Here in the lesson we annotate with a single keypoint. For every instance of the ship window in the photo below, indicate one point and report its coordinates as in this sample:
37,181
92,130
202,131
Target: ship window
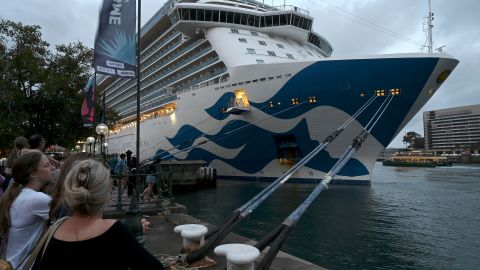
201,14
215,15
193,14
237,18
290,56
184,14
208,15
280,46
271,53
262,21
270,78
263,79
283,19
279,76
259,61
230,16
251,20
276,20
242,40
311,54
240,83
223,16
234,30
268,21
250,51
248,82
261,42
256,21
244,19
254,33
256,80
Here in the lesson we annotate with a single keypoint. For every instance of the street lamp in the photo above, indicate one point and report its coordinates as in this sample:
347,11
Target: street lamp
101,130
77,147
90,141
105,147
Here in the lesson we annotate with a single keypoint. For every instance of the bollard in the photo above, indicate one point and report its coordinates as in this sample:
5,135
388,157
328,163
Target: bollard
193,236
239,256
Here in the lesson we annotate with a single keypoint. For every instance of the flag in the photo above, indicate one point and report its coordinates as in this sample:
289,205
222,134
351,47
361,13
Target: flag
88,107
114,49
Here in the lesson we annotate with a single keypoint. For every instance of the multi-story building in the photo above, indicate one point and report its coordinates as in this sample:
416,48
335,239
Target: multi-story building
452,130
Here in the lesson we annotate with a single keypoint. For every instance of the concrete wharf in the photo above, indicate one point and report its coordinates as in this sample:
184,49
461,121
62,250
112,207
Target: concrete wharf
164,215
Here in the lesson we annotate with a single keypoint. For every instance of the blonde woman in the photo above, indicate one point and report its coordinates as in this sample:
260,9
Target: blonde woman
23,208
87,240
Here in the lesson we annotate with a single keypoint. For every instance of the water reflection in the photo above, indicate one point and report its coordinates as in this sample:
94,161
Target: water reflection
410,218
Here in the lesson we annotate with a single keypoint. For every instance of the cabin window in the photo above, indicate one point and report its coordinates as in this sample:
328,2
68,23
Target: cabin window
235,31
280,46
259,61
271,53
254,33
290,56
261,42
268,21
242,40
250,51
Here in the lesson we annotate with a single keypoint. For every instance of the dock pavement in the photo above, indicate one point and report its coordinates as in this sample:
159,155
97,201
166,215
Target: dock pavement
161,240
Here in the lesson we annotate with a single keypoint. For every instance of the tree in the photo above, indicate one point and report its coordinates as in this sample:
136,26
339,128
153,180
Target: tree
410,137
39,89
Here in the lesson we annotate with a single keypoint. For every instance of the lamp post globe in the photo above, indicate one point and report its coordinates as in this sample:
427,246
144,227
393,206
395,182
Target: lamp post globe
90,141
101,129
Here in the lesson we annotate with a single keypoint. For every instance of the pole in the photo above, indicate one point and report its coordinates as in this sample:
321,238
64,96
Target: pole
430,26
139,10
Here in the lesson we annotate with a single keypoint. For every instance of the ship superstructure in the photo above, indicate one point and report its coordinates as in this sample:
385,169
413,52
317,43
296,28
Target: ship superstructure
251,89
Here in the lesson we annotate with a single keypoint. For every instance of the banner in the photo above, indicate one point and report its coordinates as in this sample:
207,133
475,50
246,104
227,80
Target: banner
115,53
88,107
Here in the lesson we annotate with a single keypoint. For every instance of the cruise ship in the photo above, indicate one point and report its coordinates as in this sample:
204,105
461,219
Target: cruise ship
251,89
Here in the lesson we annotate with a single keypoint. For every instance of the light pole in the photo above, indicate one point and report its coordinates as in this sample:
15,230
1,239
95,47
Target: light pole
105,148
90,141
101,130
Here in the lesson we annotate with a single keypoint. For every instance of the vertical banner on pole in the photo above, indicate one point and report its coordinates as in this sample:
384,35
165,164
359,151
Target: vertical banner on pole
88,107
115,41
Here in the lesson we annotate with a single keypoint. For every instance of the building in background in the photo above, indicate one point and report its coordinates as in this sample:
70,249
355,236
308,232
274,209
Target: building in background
453,130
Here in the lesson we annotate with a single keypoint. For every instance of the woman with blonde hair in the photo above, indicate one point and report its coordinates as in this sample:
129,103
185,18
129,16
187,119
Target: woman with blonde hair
108,242
23,208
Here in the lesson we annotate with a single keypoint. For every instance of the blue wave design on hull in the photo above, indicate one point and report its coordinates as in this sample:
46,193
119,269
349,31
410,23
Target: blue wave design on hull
335,83
260,144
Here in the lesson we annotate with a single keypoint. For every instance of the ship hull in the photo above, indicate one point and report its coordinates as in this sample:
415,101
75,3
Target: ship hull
283,123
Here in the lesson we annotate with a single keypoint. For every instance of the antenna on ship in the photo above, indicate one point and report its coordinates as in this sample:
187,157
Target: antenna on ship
430,27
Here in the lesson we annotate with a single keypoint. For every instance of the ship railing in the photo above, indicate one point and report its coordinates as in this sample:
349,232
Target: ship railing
169,69
174,56
158,46
124,94
155,18
177,90
292,8
137,183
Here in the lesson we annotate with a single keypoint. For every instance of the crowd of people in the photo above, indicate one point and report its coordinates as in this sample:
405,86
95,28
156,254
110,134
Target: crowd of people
39,190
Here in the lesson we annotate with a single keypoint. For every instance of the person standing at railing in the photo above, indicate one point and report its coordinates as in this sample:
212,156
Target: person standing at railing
86,240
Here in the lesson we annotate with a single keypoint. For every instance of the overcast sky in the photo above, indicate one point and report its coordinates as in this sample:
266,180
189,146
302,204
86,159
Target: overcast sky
353,27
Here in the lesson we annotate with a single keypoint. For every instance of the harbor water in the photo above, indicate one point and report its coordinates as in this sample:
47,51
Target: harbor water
409,218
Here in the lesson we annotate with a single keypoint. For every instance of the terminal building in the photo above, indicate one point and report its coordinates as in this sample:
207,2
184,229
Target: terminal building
453,130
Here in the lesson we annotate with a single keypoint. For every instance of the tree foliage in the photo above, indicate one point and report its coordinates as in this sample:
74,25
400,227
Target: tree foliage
40,89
